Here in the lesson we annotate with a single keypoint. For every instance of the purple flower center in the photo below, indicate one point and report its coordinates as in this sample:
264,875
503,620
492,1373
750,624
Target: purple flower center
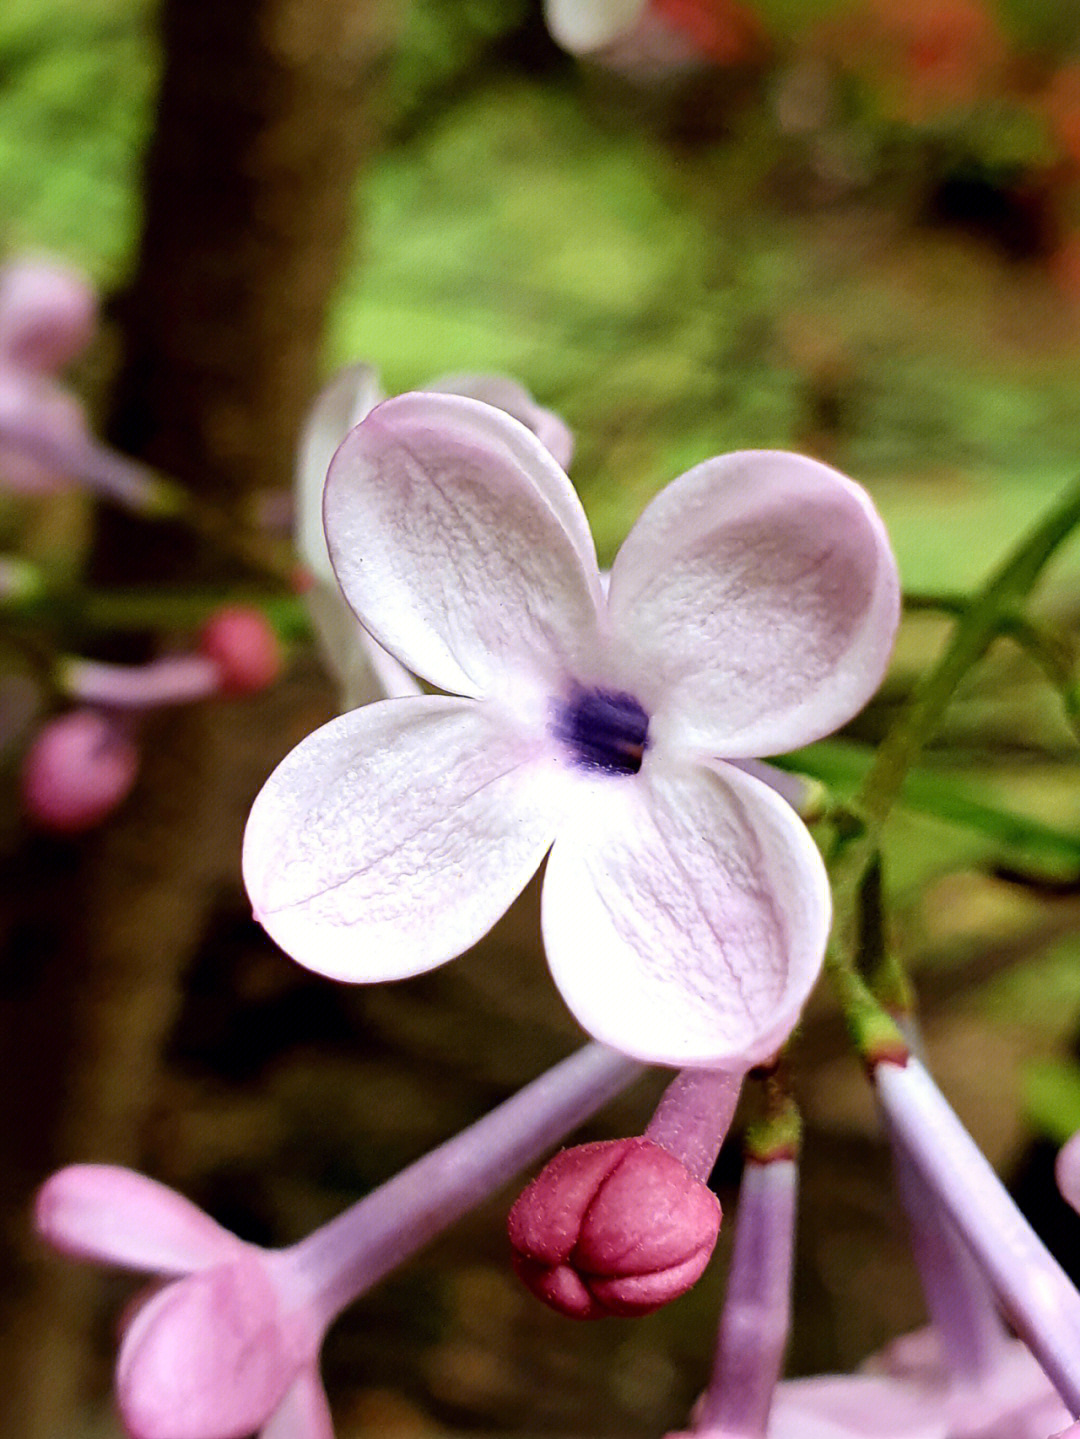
603,729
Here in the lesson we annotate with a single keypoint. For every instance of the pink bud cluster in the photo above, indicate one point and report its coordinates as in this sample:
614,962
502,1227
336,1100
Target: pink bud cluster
83,764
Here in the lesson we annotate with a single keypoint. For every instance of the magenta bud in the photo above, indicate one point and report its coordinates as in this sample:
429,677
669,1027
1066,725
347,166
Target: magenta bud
242,643
621,1227
80,766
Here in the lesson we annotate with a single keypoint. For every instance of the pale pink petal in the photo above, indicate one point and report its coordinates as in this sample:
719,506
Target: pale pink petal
394,837
340,404
462,546
1067,1170
756,600
858,1407
506,394
304,1412
210,1357
685,915
583,25
98,1211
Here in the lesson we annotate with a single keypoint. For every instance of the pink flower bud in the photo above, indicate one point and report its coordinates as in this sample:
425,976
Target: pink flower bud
240,640
48,315
620,1227
79,768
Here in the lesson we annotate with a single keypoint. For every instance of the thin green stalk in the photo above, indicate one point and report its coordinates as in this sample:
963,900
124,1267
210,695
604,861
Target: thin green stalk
857,830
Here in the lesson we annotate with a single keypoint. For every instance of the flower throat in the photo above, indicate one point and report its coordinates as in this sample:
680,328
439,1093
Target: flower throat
603,729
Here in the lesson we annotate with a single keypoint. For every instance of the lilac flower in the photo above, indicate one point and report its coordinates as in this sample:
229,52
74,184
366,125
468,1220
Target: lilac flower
231,1345
363,669
685,907
48,315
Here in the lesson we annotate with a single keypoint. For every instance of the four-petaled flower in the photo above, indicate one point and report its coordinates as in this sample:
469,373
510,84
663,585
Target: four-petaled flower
230,1346
685,907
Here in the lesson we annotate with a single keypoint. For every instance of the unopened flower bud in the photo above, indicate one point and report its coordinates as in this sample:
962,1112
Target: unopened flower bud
241,641
619,1227
78,769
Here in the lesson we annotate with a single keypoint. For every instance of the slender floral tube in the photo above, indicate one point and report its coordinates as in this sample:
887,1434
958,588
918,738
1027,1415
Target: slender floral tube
172,680
757,1306
339,1262
92,465
959,1298
1034,1291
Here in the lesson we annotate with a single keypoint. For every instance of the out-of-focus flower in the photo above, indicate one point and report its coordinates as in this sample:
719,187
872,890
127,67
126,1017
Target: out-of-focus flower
659,34
906,1392
231,1345
751,610
83,764
48,315
924,57
78,768
240,641
363,669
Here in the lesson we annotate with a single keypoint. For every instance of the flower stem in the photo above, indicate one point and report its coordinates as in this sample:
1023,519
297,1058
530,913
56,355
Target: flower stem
344,1258
1035,1293
694,1116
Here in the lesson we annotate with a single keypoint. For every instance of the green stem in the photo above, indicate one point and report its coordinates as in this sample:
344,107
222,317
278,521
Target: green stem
858,829
1050,650
975,630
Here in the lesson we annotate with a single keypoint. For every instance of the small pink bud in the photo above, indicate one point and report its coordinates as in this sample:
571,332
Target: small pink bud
621,1227
240,640
78,769
48,315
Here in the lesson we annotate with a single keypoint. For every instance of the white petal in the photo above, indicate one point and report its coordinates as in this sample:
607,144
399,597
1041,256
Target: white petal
363,669
116,1216
461,545
342,403
394,837
583,25
506,394
858,1407
685,915
756,600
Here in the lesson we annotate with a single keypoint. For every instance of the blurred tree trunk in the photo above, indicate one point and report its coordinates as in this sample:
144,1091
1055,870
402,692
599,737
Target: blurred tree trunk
261,126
